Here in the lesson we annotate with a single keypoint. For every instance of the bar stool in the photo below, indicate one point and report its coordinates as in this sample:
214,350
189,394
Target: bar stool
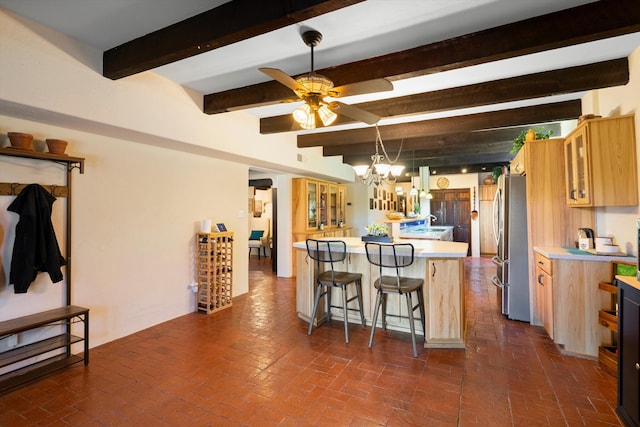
329,252
395,256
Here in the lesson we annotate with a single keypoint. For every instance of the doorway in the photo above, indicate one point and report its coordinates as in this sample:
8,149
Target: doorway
452,207
266,205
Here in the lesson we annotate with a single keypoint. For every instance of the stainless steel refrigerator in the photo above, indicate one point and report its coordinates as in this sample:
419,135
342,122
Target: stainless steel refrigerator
510,232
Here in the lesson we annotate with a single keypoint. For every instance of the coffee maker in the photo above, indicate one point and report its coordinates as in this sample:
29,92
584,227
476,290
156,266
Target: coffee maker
585,238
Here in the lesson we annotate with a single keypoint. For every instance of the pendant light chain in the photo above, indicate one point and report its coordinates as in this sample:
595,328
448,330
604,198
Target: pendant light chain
379,140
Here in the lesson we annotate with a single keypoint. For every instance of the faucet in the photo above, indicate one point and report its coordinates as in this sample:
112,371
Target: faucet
432,219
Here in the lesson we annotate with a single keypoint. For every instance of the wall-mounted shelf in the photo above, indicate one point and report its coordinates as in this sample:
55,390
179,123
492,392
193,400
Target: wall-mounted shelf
73,162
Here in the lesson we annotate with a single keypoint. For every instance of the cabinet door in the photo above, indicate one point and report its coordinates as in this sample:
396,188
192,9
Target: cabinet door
578,168
333,205
544,297
342,196
323,203
312,204
540,303
629,356
444,299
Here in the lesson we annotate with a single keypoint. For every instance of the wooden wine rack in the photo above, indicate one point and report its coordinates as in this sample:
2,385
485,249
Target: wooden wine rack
214,259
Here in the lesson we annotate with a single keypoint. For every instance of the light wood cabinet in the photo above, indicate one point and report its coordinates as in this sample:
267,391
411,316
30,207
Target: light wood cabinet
317,202
546,200
518,164
445,323
569,300
487,239
544,293
600,163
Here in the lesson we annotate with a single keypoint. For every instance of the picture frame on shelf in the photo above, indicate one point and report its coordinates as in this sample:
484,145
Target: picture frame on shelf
221,227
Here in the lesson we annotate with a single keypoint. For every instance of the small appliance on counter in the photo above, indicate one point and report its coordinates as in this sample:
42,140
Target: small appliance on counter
585,238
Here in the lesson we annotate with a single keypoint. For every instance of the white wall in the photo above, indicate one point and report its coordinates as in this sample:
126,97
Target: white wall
619,222
155,166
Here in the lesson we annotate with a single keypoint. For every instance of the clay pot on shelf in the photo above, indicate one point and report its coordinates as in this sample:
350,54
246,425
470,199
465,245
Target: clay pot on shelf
56,146
21,141
489,180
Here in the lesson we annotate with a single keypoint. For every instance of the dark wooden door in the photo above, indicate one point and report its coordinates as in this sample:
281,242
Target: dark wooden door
453,208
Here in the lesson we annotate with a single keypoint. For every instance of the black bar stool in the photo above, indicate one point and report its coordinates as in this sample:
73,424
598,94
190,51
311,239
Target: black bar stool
395,256
331,252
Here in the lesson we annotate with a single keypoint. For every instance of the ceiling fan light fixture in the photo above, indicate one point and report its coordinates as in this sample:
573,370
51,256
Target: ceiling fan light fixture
310,123
315,83
302,113
326,115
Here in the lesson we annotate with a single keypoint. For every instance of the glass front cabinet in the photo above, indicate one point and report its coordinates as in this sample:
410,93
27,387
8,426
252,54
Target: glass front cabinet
318,205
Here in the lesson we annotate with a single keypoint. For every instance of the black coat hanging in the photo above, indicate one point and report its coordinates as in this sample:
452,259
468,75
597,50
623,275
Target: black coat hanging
36,246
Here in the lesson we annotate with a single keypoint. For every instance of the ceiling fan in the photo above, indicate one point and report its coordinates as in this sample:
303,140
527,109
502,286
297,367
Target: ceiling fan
312,88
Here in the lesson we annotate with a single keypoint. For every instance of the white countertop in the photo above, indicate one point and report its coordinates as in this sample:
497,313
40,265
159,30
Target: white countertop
423,248
578,255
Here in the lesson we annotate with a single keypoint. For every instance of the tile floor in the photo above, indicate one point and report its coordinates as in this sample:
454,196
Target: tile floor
254,365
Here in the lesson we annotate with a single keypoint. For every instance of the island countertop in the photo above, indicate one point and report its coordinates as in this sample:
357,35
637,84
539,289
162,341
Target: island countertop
423,248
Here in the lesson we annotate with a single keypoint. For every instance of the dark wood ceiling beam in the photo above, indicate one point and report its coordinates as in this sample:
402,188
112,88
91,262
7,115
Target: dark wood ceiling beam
421,156
495,119
229,23
581,24
568,80
483,138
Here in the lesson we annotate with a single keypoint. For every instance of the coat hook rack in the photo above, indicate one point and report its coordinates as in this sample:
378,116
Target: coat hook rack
15,188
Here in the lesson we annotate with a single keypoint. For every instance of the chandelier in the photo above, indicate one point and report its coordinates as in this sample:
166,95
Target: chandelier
380,172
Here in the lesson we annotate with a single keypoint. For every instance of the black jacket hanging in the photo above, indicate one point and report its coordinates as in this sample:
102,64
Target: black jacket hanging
36,247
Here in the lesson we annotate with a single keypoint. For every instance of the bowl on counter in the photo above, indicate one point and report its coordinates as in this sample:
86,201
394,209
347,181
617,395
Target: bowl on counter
395,215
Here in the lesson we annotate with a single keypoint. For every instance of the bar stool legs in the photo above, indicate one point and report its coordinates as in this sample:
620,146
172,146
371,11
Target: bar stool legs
323,290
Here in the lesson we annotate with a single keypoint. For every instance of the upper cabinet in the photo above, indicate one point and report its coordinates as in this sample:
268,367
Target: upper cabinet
600,163
317,204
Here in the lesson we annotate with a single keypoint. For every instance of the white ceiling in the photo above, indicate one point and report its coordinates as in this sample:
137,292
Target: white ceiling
367,29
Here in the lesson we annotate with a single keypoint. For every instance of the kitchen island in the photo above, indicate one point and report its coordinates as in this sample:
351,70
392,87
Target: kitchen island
440,264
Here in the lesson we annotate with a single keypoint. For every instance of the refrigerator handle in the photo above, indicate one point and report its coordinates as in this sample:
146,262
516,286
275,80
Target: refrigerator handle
497,261
496,212
496,281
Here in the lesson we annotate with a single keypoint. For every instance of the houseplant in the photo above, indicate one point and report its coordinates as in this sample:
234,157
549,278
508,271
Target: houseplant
377,232
519,141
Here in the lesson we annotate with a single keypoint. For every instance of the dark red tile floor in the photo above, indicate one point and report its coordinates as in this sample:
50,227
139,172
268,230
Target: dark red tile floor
253,364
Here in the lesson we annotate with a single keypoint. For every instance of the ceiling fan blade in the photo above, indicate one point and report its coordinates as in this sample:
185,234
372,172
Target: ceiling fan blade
369,86
282,77
353,112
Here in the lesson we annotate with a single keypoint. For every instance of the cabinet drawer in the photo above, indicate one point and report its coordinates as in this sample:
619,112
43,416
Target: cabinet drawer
608,319
544,263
